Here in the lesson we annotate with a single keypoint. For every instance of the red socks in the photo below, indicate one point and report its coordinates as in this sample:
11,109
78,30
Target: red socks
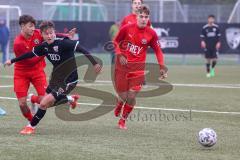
119,104
127,109
28,116
35,99
118,108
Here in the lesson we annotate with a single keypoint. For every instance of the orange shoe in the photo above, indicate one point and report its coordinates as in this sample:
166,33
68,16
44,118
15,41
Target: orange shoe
27,130
121,124
73,104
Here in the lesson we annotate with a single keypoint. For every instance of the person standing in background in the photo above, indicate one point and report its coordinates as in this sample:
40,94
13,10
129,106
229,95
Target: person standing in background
4,38
112,33
132,17
211,44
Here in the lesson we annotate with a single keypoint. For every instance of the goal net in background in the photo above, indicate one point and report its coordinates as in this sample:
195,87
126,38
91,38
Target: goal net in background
66,11
111,10
235,15
11,14
169,11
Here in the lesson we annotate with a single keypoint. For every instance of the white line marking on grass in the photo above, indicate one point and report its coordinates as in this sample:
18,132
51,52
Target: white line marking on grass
153,108
6,76
228,86
8,86
8,98
109,83
187,110
223,86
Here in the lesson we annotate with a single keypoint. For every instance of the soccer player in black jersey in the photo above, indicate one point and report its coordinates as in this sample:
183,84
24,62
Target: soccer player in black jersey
58,52
211,44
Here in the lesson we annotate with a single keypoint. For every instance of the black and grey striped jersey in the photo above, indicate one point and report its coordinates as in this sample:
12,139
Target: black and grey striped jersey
211,35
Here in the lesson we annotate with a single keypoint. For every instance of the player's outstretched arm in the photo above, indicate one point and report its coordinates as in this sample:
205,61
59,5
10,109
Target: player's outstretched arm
20,58
97,67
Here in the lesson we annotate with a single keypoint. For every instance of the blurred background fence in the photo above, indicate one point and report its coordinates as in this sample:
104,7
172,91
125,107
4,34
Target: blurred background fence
112,10
178,23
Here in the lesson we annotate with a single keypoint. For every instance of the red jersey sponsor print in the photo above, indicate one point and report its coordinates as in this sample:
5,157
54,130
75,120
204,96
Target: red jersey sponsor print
22,45
130,19
132,42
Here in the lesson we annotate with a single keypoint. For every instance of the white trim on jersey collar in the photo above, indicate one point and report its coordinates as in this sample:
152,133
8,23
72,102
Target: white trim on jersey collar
34,52
76,46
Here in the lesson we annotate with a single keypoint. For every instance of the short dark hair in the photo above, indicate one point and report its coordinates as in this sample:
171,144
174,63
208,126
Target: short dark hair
45,25
211,16
144,9
24,19
141,1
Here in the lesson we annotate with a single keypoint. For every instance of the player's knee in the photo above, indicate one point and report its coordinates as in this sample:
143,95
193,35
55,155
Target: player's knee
123,97
131,96
43,105
23,104
131,100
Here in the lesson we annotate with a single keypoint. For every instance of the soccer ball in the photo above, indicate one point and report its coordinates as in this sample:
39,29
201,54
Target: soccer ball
207,137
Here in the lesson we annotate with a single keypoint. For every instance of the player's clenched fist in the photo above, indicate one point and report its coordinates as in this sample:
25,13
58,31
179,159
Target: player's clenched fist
122,60
163,72
7,63
97,68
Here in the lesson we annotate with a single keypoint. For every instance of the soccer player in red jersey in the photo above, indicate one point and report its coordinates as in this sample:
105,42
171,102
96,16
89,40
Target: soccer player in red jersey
132,18
60,52
132,43
31,70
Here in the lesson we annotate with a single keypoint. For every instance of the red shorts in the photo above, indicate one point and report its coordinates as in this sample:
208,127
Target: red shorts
22,80
125,81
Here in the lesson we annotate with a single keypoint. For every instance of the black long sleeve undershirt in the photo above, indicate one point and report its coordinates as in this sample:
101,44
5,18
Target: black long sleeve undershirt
78,49
86,53
22,57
